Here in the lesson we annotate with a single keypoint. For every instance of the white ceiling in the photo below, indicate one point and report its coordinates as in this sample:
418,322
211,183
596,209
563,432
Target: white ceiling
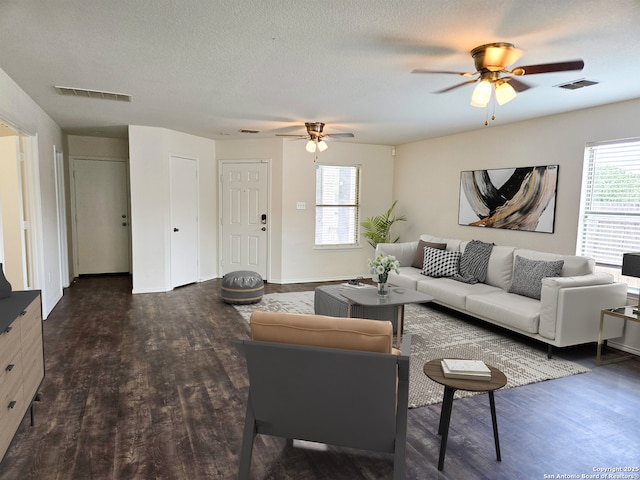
213,67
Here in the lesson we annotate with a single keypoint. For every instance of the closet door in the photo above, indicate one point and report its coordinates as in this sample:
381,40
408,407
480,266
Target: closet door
184,221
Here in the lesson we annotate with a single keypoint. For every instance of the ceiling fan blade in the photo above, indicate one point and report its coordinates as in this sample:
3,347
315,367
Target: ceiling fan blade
552,67
448,89
518,85
422,70
291,135
339,135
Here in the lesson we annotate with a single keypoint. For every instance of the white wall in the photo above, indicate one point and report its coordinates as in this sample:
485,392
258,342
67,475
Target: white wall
96,147
427,174
24,115
301,261
149,152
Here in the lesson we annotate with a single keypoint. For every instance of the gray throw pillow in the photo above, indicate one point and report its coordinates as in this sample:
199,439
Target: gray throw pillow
528,275
474,261
440,263
418,259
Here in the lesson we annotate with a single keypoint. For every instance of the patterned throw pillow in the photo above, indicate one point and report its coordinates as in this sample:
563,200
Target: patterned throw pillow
528,275
474,262
440,263
418,259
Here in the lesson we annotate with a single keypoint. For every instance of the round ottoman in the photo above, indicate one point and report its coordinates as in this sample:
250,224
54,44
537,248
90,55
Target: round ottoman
242,287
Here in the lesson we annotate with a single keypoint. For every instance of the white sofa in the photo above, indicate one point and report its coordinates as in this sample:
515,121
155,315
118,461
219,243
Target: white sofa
568,312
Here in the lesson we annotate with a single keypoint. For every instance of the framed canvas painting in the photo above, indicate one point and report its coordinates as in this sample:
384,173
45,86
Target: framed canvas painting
522,198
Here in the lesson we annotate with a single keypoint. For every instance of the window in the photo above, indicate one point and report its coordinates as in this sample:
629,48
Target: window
337,205
610,205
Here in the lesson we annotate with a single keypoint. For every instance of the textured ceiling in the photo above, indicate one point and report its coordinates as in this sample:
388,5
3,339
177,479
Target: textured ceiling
213,67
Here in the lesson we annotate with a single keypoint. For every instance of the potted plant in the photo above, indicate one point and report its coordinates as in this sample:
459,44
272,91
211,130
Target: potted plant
377,229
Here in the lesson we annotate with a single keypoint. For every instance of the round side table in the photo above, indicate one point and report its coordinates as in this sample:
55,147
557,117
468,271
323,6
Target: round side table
433,370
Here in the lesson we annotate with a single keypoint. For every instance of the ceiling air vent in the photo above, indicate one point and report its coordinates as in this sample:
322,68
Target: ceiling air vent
83,92
577,84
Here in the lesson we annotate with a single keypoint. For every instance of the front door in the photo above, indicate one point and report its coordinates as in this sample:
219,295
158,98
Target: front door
244,209
101,195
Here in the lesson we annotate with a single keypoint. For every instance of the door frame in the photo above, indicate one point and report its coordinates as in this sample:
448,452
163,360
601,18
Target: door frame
61,208
72,189
266,161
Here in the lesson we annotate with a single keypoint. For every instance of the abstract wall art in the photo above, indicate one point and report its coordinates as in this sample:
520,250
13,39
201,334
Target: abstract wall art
522,198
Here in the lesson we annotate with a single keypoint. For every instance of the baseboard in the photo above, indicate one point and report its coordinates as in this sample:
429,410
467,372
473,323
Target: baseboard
319,279
624,348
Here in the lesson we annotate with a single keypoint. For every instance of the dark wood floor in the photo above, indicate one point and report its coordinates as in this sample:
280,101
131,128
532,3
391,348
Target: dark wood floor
150,386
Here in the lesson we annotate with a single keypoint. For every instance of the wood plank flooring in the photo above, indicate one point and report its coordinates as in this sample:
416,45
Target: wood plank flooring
150,386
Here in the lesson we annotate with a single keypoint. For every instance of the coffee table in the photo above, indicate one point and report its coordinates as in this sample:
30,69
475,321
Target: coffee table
397,297
433,370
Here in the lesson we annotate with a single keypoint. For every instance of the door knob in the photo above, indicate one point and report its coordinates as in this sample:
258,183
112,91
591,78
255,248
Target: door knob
176,229
264,229
124,224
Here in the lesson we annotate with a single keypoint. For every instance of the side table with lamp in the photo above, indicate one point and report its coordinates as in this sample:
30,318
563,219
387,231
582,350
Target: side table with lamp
630,268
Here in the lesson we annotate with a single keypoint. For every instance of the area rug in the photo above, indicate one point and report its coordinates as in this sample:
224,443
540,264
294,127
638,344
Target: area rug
438,334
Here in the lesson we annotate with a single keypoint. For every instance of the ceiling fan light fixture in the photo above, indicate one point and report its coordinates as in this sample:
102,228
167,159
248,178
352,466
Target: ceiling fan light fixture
311,146
494,57
322,145
481,94
504,92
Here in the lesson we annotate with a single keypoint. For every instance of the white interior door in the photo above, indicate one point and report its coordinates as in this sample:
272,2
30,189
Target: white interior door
184,221
244,209
101,200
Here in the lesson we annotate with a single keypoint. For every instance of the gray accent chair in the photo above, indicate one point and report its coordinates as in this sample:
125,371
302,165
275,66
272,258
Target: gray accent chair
337,381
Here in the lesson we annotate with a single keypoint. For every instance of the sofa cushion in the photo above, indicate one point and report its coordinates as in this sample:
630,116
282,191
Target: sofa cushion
322,331
528,275
500,267
418,259
440,263
450,292
513,311
474,262
407,277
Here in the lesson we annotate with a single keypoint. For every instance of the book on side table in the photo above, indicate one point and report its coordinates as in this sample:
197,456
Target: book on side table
465,369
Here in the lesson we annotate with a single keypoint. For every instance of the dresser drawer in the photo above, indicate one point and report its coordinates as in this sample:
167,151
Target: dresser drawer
32,367
10,419
10,338
9,355
31,320
11,388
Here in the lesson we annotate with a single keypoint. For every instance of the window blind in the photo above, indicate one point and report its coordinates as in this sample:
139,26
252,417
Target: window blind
337,204
610,206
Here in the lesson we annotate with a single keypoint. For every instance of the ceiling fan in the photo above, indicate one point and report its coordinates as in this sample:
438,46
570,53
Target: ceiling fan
491,62
316,137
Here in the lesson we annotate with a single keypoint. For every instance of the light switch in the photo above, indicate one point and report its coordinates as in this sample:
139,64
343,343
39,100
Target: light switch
301,206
